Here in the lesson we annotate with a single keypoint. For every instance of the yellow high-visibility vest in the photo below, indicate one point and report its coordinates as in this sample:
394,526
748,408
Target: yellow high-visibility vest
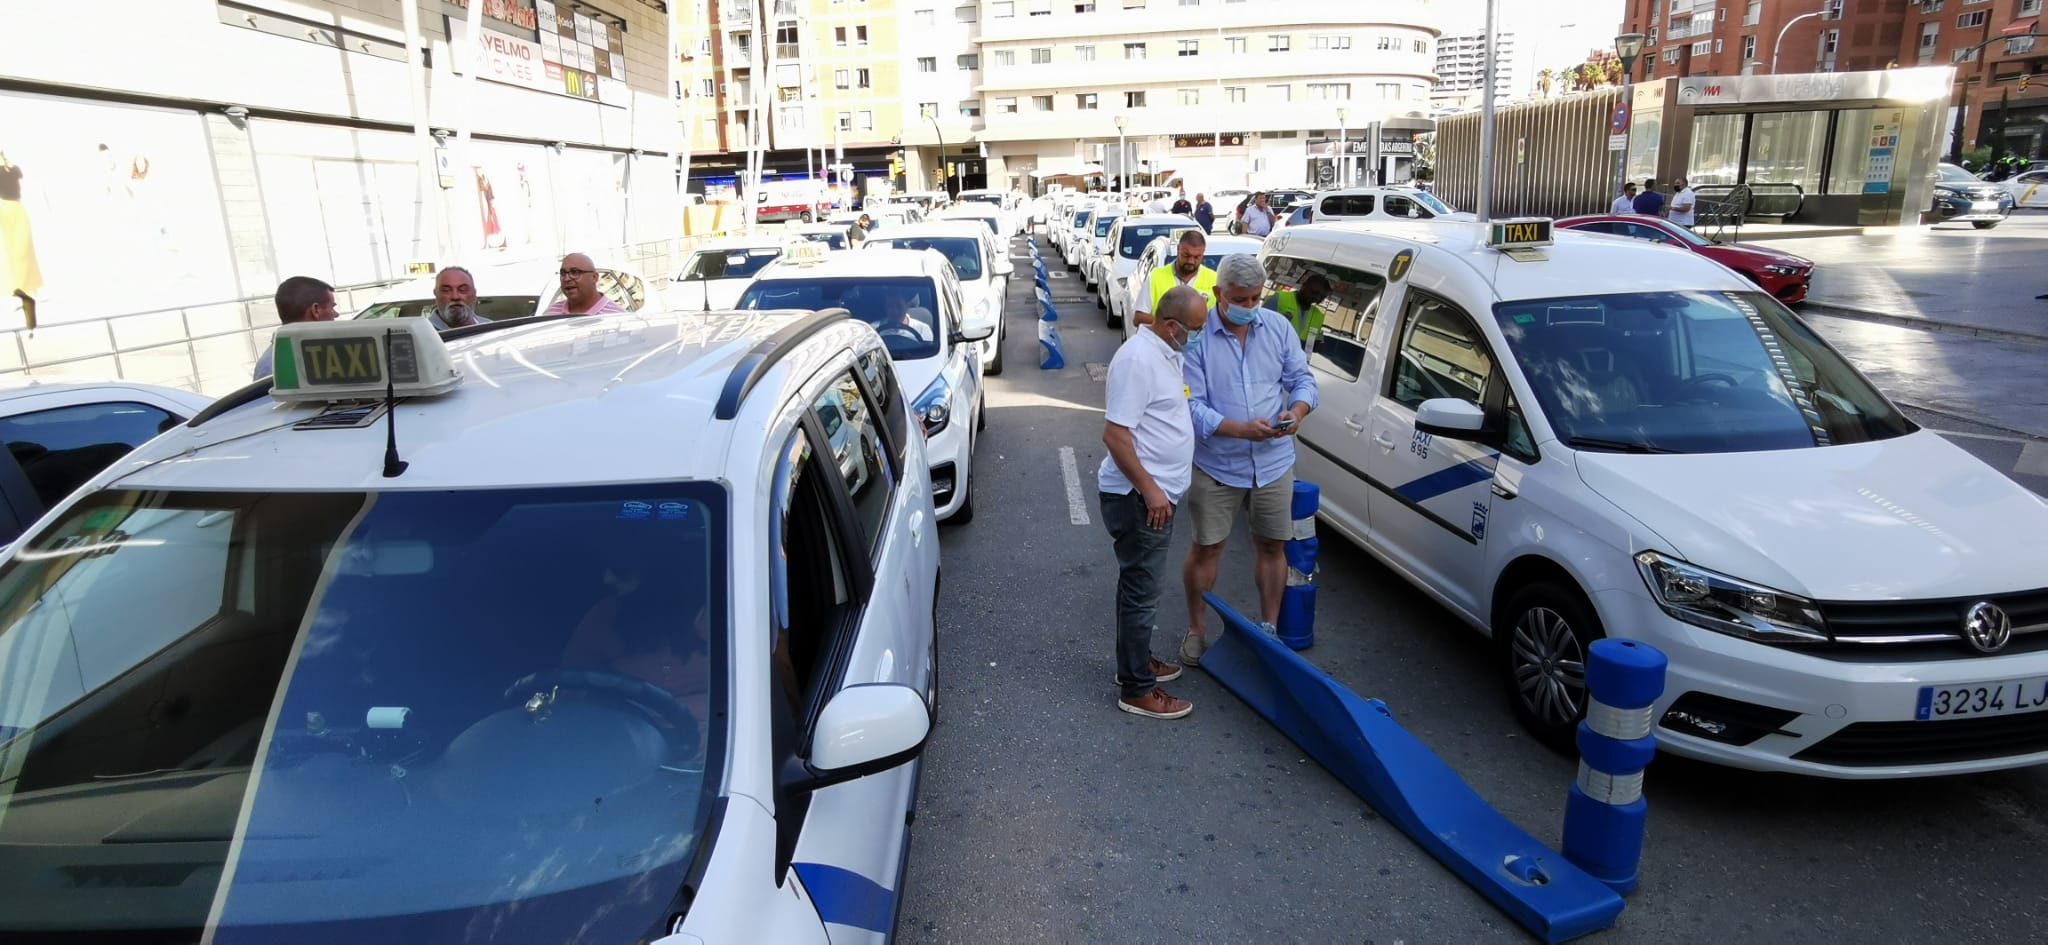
1287,304
1163,279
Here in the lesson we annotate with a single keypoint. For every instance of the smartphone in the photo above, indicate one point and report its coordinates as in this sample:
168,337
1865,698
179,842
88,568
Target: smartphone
1283,423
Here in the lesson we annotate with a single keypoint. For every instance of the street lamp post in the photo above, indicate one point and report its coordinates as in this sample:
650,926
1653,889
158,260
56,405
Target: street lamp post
1781,36
1123,183
1343,160
1627,47
945,180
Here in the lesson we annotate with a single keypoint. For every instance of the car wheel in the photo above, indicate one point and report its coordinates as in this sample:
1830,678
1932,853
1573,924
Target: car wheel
807,216
1546,632
995,364
980,422
965,513
1985,224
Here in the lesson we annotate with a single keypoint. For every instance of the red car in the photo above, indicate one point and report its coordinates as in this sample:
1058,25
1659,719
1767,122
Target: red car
1781,274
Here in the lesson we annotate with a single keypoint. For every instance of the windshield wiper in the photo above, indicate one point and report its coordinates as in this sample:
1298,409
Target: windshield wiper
1617,446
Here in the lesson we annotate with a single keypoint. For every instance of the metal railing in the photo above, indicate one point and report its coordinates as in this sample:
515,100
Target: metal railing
209,347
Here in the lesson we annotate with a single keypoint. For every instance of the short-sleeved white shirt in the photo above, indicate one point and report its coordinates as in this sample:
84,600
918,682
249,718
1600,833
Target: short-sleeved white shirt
1687,217
1146,394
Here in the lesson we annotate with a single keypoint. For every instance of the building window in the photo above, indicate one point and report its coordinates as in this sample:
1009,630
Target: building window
963,14
1006,57
927,109
1234,94
1083,53
1002,10
1329,91
967,62
1652,41
842,79
1280,93
922,17
860,36
1387,42
867,121
1085,6
1830,40
927,63
970,108
1970,20
1134,100
845,121
1006,106
1964,55
1234,45
839,36
1190,47
708,88
1276,42
1085,101
2030,7
1755,13
1748,48
1134,50
1040,55
1041,103
1388,91
1717,45
1702,47
864,79
1191,96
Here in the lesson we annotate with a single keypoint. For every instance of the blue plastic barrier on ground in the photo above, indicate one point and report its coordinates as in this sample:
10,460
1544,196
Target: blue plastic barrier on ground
1297,623
1357,740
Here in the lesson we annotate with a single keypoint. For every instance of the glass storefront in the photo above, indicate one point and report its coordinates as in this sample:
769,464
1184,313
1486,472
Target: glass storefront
1787,148
1716,150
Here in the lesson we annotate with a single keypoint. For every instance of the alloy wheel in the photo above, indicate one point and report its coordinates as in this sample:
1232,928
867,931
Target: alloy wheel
1549,667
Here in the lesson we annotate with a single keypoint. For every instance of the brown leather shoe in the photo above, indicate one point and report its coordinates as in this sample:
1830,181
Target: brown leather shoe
1156,704
1163,671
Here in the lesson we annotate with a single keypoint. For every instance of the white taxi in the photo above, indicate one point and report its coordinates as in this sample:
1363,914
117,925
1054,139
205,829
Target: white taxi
720,268
510,290
913,298
1074,239
1596,436
1095,256
591,622
984,269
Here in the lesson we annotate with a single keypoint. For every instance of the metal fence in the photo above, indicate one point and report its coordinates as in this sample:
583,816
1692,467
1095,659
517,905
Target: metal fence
209,347
1550,157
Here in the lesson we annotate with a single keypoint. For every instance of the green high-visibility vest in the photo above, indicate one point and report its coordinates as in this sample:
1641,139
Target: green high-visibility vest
1304,325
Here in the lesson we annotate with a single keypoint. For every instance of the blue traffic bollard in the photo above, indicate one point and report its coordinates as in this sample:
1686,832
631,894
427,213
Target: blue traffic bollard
1297,623
1605,814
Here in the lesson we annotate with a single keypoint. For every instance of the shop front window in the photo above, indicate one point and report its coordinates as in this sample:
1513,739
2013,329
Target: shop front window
1786,148
1716,150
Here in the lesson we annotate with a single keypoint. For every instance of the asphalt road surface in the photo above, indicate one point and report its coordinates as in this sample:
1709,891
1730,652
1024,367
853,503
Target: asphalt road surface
1046,815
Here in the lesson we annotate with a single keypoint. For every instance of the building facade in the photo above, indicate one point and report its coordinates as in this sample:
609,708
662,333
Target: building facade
1461,70
1990,43
208,148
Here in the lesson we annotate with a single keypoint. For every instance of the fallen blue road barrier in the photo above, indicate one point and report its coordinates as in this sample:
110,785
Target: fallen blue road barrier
1357,740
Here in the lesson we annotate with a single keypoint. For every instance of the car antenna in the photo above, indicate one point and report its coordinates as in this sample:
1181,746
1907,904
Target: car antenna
393,466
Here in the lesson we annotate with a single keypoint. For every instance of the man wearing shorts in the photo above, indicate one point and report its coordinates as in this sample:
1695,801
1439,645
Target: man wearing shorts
1249,387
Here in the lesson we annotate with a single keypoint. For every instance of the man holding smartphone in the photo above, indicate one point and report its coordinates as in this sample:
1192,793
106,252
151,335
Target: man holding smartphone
1248,388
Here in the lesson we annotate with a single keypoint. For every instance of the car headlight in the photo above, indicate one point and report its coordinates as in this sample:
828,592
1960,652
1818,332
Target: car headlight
984,309
935,406
1781,269
1724,604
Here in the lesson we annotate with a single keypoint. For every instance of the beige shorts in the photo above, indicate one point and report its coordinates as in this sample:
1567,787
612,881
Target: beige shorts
1212,505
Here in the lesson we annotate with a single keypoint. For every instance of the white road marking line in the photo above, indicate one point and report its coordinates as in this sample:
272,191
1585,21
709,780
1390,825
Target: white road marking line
1077,511
1999,437
2033,460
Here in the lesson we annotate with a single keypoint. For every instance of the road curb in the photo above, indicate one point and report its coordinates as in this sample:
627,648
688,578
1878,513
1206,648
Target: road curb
1850,313
1974,421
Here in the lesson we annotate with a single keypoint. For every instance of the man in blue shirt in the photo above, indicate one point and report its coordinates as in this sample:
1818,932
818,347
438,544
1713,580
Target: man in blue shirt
1249,387
1650,202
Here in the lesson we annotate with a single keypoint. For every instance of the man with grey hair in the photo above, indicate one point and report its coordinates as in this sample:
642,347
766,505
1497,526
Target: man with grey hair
1151,443
1249,387
454,300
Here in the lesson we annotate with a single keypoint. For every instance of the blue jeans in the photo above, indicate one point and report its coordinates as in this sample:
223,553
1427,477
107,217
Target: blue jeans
1140,564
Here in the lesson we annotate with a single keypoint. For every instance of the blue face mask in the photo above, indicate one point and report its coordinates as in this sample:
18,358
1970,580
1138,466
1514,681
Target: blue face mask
1241,314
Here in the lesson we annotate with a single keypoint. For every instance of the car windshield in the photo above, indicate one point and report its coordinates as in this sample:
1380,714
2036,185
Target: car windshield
1083,218
1952,174
740,263
489,307
963,252
996,199
835,238
903,309
1135,237
1428,200
1282,199
336,716
1690,372
1102,226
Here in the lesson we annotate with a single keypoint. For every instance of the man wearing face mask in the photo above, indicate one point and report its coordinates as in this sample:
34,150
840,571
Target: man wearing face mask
1185,270
1249,387
1151,442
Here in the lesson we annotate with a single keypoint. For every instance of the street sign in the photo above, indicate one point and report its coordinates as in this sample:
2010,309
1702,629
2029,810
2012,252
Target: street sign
1617,142
1618,123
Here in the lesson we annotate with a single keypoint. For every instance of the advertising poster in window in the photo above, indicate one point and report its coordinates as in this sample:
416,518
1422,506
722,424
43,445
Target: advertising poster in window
1883,144
106,210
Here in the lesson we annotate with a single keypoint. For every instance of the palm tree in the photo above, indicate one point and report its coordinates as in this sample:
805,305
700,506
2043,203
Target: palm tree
1543,80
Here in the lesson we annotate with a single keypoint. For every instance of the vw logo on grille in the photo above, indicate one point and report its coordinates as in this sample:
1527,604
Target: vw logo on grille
1986,627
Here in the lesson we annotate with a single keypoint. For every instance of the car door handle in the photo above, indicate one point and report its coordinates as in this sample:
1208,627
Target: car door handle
1385,442
1504,490
1354,425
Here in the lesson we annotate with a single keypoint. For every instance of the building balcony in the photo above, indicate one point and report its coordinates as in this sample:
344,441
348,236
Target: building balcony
1108,21
736,15
1067,123
1201,71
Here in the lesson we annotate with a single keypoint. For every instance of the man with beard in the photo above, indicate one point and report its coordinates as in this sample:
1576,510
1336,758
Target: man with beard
1186,269
454,300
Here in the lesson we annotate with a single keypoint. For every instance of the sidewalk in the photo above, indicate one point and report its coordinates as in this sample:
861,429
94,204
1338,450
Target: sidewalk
1993,382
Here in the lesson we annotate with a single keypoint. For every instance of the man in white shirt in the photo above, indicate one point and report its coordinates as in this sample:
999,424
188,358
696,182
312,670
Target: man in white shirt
1151,441
1682,203
1626,203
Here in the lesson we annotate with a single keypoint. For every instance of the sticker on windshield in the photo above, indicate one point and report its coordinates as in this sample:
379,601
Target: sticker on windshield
636,510
1398,269
672,511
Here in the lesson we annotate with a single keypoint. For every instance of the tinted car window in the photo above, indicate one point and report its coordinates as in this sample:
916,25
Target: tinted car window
1442,354
488,307
729,263
855,442
60,448
1135,237
963,253
903,310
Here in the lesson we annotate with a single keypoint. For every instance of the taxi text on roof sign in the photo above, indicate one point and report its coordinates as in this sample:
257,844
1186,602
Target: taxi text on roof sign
1515,234
360,358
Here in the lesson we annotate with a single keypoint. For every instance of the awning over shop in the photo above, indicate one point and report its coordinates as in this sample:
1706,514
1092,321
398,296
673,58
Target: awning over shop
1074,169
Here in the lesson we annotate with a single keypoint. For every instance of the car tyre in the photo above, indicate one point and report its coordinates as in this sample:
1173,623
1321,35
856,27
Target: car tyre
1546,632
995,364
1985,224
965,513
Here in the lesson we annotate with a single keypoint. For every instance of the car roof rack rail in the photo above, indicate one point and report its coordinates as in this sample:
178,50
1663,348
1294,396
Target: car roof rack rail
771,349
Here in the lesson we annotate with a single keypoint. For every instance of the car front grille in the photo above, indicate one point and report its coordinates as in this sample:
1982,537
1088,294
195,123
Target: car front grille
1880,744
1927,629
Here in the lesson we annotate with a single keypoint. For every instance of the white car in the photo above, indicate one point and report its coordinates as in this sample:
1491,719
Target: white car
1163,250
1080,242
883,216
583,625
1223,244
1070,230
510,290
984,269
1002,200
1380,203
995,219
720,269
1600,437
1225,202
1128,239
913,298
2028,189
59,434
1095,255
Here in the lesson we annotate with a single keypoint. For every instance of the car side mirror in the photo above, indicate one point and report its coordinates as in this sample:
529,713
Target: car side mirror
866,729
1451,418
975,332
1004,266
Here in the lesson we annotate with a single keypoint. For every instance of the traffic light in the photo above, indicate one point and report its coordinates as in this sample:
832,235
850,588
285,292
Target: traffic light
2023,80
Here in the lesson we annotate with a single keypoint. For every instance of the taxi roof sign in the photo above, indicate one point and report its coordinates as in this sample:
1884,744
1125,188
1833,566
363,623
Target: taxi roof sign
360,358
1518,234
806,252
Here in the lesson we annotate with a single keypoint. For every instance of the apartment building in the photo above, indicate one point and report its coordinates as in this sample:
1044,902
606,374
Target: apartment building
1461,70
1223,92
1990,43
